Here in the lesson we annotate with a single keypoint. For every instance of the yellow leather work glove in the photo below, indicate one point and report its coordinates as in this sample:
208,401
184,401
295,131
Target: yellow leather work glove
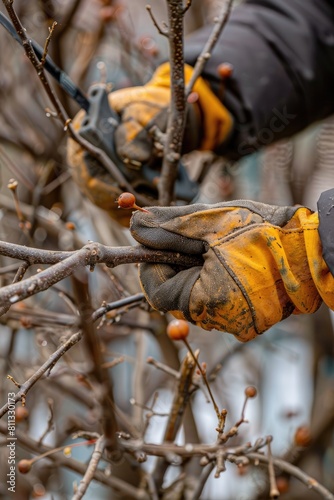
261,264
208,124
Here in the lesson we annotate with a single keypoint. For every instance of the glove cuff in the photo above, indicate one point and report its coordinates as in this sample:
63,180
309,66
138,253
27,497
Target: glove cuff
321,274
216,120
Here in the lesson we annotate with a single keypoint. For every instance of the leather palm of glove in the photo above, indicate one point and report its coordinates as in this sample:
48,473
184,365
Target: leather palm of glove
208,124
261,264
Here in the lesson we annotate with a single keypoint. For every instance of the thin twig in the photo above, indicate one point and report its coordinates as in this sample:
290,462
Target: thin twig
126,489
218,413
163,367
61,113
180,401
47,42
138,376
230,453
114,362
155,22
274,493
47,366
18,277
208,47
50,424
133,299
295,472
187,7
91,469
202,481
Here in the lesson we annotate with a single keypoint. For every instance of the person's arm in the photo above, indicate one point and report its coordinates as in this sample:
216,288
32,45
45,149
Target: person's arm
282,53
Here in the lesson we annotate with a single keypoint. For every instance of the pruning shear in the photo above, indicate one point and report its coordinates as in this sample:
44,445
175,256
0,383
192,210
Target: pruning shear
100,123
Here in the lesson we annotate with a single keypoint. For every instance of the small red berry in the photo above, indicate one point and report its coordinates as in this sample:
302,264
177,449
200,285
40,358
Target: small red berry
26,321
250,391
21,414
126,200
282,484
225,70
24,466
70,226
178,329
302,436
242,469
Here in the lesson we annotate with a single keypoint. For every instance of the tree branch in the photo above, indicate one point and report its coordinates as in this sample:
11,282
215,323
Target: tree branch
208,47
100,372
65,263
155,22
295,472
177,116
126,489
91,469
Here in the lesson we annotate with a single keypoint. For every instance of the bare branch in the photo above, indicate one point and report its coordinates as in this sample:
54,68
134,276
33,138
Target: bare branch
50,424
205,380
60,460
18,277
295,472
47,42
91,469
208,47
68,262
202,481
187,7
274,493
180,401
177,115
155,22
164,368
133,299
47,366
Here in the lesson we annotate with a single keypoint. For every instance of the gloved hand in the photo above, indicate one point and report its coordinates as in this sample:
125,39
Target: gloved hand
261,263
208,124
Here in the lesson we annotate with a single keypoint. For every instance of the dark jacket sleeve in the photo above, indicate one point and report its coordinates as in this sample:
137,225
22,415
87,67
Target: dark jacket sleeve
282,52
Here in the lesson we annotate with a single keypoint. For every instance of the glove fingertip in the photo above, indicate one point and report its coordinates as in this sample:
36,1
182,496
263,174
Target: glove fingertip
168,290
